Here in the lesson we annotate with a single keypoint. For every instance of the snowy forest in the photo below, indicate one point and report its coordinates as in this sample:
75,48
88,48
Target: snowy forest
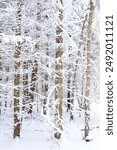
49,74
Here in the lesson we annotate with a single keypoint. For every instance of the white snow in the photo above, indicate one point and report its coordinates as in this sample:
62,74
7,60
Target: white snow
36,135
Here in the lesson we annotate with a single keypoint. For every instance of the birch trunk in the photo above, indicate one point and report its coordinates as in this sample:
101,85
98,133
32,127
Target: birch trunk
58,76
70,95
46,85
25,85
17,72
88,71
34,75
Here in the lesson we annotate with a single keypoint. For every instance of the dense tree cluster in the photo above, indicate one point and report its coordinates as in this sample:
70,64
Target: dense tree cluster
49,61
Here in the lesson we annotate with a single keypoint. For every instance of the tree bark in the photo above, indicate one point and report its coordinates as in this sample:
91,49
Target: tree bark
17,72
58,76
88,71
70,96
25,86
46,85
34,75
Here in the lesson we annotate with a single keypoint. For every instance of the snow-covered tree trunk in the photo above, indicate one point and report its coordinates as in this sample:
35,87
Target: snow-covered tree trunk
46,85
33,84
34,74
79,47
25,85
17,71
70,95
88,70
58,74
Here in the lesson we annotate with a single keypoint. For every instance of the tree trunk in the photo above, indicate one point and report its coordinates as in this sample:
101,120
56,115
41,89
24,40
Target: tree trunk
46,84
58,76
17,72
34,75
76,68
25,86
88,71
83,75
70,97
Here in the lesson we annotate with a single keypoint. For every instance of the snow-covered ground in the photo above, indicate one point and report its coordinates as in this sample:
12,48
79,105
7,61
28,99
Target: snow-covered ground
36,135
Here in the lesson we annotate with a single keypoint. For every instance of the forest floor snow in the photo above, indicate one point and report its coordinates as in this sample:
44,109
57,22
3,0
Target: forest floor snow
38,136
